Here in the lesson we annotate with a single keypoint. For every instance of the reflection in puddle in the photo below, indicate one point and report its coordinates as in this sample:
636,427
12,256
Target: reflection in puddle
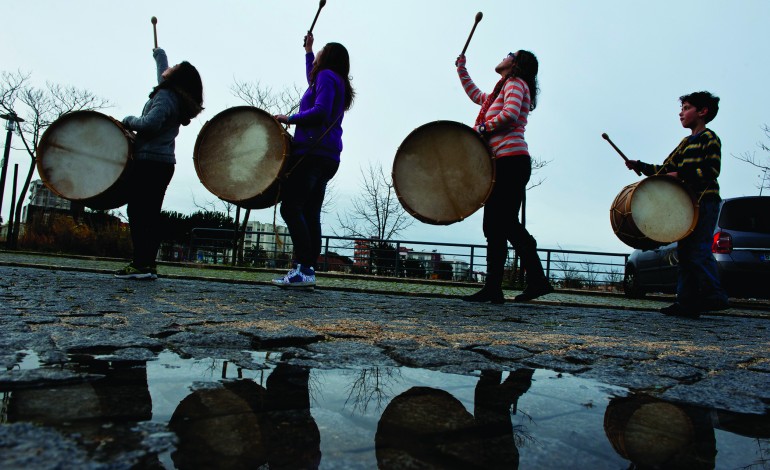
184,413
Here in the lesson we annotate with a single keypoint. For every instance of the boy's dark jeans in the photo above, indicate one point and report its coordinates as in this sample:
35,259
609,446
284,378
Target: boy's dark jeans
149,181
698,275
302,196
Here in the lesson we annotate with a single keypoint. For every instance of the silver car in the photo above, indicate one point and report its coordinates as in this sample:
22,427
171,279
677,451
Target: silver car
741,248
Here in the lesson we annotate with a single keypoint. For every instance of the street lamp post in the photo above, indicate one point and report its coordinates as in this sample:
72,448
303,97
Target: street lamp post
10,126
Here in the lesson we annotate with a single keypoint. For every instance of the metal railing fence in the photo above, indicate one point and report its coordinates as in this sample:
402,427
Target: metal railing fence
404,258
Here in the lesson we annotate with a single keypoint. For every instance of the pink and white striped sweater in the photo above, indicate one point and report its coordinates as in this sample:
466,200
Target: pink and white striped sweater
506,118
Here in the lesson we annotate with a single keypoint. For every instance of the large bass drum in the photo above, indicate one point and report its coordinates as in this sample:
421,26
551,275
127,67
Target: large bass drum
654,212
86,157
240,155
443,172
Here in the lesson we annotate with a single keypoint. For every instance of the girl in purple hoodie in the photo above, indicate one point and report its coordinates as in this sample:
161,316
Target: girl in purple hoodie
315,154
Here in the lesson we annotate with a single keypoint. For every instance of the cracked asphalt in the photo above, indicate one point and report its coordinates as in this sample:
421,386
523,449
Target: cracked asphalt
62,306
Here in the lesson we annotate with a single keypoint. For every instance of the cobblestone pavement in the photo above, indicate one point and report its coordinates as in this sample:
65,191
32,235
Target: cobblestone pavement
720,361
368,284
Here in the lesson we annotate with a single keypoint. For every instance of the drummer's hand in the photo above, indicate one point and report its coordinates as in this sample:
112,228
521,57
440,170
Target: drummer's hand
309,42
673,173
282,118
632,164
460,62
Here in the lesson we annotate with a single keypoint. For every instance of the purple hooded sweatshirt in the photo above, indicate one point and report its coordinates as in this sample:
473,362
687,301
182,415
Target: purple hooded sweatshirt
321,105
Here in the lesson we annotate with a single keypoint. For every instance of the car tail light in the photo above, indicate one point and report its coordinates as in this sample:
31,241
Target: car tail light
723,243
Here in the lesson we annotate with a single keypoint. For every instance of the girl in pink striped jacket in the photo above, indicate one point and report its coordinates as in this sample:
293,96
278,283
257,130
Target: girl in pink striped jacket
501,120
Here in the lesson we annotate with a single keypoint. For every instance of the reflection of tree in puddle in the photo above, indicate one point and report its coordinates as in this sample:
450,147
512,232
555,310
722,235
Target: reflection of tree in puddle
429,428
245,425
82,410
372,385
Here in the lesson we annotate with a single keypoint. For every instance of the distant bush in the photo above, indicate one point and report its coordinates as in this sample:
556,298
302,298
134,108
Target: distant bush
62,233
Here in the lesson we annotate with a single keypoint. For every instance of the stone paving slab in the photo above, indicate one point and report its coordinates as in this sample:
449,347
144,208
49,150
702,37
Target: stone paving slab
715,361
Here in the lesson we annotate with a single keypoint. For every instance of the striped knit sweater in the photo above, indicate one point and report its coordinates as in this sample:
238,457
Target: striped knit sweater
506,118
697,160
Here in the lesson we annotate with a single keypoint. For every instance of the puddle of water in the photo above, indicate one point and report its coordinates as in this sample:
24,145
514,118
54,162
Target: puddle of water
184,413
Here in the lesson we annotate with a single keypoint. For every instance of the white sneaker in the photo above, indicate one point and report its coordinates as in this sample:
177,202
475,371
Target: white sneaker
296,278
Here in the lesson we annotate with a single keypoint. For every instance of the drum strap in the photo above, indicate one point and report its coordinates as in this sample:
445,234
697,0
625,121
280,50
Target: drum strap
286,174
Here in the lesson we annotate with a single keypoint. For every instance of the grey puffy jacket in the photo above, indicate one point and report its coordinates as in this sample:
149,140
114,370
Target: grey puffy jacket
158,126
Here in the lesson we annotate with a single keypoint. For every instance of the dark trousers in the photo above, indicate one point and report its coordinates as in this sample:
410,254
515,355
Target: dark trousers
302,196
501,222
149,181
698,276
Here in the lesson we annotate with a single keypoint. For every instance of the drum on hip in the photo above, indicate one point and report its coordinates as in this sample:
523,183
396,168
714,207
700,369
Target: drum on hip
653,212
443,172
240,155
86,157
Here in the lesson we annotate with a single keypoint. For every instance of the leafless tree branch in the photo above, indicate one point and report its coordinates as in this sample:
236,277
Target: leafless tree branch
751,159
376,213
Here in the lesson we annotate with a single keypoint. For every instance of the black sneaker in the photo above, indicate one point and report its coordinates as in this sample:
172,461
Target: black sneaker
132,272
486,295
677,310
533,291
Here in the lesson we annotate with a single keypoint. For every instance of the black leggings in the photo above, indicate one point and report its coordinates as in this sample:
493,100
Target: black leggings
302,196
501,221
149,181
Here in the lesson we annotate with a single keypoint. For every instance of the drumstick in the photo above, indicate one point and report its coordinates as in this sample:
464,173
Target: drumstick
479,15
309,31
154,30
607,138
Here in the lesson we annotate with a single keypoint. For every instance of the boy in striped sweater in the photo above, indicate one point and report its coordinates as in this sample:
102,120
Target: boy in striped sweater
501,121
697,162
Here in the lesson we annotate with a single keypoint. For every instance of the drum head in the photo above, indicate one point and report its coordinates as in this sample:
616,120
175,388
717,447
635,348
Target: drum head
240,153
82,154
443,172
663,209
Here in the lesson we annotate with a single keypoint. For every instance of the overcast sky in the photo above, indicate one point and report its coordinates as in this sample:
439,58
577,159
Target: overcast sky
605,66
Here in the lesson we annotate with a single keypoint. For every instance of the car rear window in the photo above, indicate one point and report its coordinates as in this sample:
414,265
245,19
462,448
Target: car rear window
746,215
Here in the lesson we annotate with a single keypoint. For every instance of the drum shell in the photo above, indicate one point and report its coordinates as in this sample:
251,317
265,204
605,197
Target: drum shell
443,172
649,432
69,150
630,231
240,156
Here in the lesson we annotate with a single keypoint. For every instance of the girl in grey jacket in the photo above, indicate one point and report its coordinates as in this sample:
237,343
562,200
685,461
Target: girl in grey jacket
176,99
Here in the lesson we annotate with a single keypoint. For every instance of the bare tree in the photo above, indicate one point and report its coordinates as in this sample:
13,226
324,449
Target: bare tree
590,274
372,385
285,101
537,164
39,107
570,274
750,158
376,213
614,277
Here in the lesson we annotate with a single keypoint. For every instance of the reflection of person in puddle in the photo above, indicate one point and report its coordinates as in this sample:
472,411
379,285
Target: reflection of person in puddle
429,428
244,425
653,433
294,439
100,413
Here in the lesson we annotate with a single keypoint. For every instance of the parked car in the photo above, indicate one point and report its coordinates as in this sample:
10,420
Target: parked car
741,248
